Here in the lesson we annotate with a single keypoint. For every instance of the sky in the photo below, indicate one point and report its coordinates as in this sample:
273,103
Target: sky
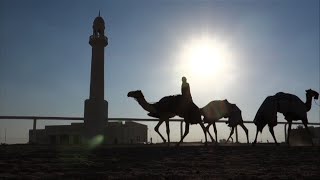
255,49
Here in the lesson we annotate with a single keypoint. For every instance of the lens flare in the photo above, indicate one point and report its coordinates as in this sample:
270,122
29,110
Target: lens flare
95,141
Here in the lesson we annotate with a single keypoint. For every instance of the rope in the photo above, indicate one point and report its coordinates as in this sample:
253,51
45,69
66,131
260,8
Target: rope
316,102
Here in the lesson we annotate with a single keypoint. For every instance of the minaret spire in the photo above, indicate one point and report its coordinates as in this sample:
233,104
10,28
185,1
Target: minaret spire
99,13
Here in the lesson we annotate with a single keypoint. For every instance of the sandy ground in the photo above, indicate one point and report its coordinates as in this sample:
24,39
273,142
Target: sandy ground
159,162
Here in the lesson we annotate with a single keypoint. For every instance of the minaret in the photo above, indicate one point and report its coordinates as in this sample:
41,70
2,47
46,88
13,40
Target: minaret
96,108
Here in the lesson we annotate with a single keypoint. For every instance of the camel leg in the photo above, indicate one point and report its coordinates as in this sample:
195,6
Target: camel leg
205,132
289,130
246,131
157,130
306,126
232,130
215,131
209,124
255,140
207,128
272,133
168,130
185,133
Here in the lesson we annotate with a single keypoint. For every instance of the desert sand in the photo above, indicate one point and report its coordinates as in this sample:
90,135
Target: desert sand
159,162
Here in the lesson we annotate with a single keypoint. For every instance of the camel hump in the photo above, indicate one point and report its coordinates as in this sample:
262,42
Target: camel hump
170,100
281,96
168,103
216,109
289,103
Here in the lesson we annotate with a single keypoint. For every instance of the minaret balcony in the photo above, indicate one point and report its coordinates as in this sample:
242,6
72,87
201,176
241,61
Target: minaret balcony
98,39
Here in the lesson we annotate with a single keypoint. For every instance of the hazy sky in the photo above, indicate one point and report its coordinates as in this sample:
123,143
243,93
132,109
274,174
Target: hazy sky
264,47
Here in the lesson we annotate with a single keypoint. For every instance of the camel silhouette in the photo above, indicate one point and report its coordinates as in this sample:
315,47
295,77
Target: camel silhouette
217,109
289,105
168,107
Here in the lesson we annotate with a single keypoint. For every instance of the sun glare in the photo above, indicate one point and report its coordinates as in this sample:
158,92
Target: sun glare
205,57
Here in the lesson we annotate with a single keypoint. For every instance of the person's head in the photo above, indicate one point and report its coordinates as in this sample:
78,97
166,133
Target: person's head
184,79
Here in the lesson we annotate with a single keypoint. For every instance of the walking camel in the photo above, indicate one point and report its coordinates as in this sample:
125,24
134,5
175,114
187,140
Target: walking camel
289,105
168,107
217,109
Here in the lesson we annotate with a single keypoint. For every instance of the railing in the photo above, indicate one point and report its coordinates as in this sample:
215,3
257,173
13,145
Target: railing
35,118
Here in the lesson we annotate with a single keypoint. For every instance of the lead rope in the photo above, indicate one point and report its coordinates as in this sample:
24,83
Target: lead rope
316,104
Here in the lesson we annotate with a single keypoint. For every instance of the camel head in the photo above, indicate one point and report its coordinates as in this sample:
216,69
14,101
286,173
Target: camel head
135,94
312,93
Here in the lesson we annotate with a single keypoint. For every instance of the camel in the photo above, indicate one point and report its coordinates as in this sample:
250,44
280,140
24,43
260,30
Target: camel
168,107
217,109
289,105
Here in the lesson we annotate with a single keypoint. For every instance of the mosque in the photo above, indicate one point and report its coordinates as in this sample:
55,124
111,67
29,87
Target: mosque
95,109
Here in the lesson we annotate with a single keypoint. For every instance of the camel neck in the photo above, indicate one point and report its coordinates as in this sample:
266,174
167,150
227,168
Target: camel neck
308,102
145,105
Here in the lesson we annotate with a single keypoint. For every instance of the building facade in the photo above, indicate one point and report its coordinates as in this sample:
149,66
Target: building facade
113,133
300,136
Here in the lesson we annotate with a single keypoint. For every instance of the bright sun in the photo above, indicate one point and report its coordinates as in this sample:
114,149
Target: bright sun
205,57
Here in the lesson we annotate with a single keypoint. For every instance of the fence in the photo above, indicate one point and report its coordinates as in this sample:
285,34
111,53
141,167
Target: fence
36,118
